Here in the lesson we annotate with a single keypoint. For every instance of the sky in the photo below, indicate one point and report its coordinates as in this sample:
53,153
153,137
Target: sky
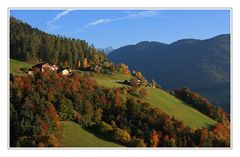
116,28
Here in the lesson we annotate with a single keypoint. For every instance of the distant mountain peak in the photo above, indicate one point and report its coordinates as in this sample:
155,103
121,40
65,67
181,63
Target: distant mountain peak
106,50
186,42
146,43
221,36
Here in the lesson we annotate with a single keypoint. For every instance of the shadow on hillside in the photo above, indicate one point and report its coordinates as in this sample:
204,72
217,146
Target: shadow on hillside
102,137
122,83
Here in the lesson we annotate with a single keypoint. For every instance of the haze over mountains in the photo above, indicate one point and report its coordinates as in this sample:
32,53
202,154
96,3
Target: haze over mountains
202,65
106,50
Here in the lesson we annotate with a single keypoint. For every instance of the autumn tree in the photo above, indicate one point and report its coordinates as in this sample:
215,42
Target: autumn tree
121,135
134,82
78,64
65,108
137,142
123,69
140,77
154,139
85,63
142,92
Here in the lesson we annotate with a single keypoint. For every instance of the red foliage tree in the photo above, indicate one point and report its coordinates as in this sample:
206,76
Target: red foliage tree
154,138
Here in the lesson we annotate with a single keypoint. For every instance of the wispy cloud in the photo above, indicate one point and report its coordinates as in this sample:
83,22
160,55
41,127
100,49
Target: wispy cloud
141,14
52,22
99,21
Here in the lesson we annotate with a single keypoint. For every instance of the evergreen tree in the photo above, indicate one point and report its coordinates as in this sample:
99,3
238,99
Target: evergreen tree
30,44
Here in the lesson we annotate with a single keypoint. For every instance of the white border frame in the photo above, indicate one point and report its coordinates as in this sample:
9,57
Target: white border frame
234,4
116,8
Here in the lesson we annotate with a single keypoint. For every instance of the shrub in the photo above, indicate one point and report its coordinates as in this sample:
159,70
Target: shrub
137,142
25,70
121,135
65,108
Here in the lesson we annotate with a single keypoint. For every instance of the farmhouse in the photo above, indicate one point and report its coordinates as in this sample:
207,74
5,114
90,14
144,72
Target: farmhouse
66,71
30,72
139,82
45,67
151,85
54,67
42,66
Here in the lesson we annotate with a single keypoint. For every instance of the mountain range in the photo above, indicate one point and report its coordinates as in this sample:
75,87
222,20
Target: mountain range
202,65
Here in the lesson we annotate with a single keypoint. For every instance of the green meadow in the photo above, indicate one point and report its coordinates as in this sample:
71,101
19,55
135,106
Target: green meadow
73,135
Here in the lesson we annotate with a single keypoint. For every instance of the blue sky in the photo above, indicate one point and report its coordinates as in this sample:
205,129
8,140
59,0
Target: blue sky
117,28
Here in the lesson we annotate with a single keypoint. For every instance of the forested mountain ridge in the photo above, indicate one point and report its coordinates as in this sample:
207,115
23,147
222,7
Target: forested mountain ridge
121,106
202,65
31,44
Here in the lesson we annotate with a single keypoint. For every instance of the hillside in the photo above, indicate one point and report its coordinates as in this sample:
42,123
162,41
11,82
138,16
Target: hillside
202,65
40,103
86,101
156,97
74,135
160,99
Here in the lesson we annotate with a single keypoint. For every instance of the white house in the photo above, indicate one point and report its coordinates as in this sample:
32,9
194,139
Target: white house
30,72
54,68
65,72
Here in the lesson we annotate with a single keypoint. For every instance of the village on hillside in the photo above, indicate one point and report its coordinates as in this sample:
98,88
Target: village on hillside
137,79
42,67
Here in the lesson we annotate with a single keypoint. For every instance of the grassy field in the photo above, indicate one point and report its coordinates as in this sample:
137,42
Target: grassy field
160,99
175,107
15,66
111,81
74,135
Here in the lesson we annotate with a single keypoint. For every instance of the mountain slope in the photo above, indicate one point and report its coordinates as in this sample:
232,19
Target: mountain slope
202,65
158,98
112,112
